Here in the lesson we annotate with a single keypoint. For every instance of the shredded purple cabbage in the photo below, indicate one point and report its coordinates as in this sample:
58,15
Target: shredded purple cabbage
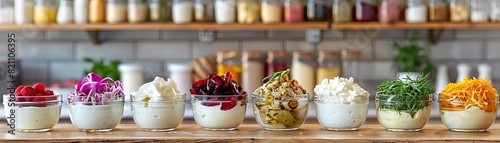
96,90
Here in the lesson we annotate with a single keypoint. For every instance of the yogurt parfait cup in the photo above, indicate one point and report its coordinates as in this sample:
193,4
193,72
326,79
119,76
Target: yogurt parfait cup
96,116
28,115
471,119
403,116
219,112
288,113
338,116
158,116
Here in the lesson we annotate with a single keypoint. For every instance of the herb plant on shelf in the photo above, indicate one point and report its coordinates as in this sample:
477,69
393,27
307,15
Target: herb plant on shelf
104,70
411,60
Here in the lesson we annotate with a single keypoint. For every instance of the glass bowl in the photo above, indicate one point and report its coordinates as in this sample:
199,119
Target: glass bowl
101,116
25,115
401,116
340,116
157,116
460,117
219,112
289,113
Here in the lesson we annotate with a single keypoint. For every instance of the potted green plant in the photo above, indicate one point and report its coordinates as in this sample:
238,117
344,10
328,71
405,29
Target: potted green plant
411,60
104,70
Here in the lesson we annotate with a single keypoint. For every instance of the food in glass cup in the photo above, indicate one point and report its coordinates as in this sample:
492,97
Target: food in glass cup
469,106
218,102
341,104
158,105
32,108
404,105
281,103
96,104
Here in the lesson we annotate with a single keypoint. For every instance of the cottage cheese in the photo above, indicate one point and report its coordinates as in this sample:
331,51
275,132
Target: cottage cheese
340,90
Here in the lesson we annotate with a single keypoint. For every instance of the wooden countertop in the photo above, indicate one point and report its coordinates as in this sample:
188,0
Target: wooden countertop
254,133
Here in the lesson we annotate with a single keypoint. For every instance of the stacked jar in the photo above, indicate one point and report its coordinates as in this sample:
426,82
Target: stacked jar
45,12
316,10
182,11
366,10
137,11
389,11
416,11
248,11
459,11
204,11
97,11
342,11
225,11
160,10
479,11
65,12
438,10
495,10
271,11
81,11
6,12
294,11
23,11
116,11
303,70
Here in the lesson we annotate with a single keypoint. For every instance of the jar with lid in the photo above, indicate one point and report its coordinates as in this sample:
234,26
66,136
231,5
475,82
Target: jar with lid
181,74
227,61
81,11
316,10
23,11
479,11
416,12
182,11
45,12
350,62
204,11
294,11
366,10
160,10
6,11
438,10
342,11
329,65
97,11
495,10
131,77
116,11
459,10
253,70
225,11
65,12
137,11
303,70
389,11
271,11
276,61
248,11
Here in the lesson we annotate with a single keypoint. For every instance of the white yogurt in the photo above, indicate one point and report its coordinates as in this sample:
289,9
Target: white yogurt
35,118
338,116
158,116
98,117
401,121
212,118
470,119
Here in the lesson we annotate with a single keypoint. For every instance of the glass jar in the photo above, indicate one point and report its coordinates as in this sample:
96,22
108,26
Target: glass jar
227,61
81,11
438,10
276,61
402,10
100,116
316,10
366,10
97,11
329,65
137,11
342,11
116,11
253,70
389,11
182,11
7,12
495,10
248,11
350,62
416,12
271,117
210,114
271,11
470,118
225,11
45,12
131,77
158,11
181,73
31,116
340,116
459,11
399,116
158,115
204,11
303,70
23,11
65,12
480,11
294,11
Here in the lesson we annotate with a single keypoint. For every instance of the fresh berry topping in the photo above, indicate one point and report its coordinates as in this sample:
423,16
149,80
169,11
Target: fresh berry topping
18,90
39,94
218,85
211,102
40,99
49,92
228,105
39,88
28,91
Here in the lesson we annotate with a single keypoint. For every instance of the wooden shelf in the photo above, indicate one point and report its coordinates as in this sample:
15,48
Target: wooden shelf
254,133
409,26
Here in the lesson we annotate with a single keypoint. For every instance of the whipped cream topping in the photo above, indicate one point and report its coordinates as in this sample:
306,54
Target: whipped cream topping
158,90
340,90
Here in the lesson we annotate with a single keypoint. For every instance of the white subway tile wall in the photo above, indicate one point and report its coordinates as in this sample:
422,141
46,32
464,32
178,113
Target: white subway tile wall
53,56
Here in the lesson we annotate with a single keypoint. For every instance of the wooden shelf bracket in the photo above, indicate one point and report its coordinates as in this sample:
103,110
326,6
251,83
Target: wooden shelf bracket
94,37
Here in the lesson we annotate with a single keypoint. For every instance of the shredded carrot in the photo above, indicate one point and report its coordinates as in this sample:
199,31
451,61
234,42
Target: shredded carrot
469,93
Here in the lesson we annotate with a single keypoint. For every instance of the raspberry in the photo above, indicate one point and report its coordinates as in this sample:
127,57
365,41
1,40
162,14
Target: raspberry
49,92
229,105
18,90
40,99
39,88
28,91
40,94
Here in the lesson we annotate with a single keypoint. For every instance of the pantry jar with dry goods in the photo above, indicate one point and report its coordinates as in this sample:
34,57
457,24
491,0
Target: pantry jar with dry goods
480,11
271,11
389,11
160,10
304,70
6,11
204,10
439,10
495,10
350,62
253,70
459,10
294,11
45,12
248,11
329,65
316,10
97,11
342,11
116,11
65,12
366,10
276,61
416,12
137,11
227,61
182,11
225,11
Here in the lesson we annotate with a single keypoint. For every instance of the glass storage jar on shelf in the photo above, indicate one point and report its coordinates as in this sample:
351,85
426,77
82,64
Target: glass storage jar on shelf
366,10
459,10
6,11
342,11
276,61
479,11
137,11
160,10
23,11
389,11
116,11
182,11
227,61
416,12
316,10
253,70
329,65
294,11
439,10
97,11
225,11
65,12
303,70
45,12
495,10
350,63
248,11
204,11
81,11
271,11
402,10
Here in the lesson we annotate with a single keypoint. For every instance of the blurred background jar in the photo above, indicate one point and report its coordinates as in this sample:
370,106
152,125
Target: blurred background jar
97,11
303,70
479,11
65,12
227,61
160,10
45,12
7,12
248,11
294,11
316,10
182,11
253,70
389,11
495,10
116,11
81,11
204,11
225,11
342,11
137,11
276,61
23,11
416,12
329,65
439,10
366,10
459,10
271,11
350,62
